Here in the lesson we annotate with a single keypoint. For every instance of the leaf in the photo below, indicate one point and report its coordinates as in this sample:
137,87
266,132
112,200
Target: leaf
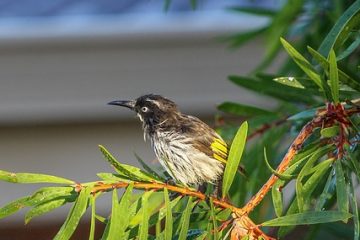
254,10
341,188
73,218
273,89
32,178
169,218
302,63
115,219
308,218
133,173
112,177
213,219
334,77
93,217
238,39
327,193
341,28
123,209
148,169
355,210
330,132
14,206
343,77
279,175
353,46
300,192
310,113
43,208
242,110
185,220
48,193
289,81
235,153
143,232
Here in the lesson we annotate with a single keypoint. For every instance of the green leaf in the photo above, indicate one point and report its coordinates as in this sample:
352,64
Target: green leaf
112,177
235,153
355,210
148,169
254,10
310,113
115,218
185,219
131,172
302,63
301,194
330,132
14,206
169,218
73,218
123,209
43,208
143,232
289,81
308,218
279,175
327,193
343,77
341,188
32,178
238,39
334,77
353,46
273,89
242,110
213,218
93,217
341,29
48,193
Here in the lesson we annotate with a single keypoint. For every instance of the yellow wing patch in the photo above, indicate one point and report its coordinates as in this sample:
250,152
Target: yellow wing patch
219,148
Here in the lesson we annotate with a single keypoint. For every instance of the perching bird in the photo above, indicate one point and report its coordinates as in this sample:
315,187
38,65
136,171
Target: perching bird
189,150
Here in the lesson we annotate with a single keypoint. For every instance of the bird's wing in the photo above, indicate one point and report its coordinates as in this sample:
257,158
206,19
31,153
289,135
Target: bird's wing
205,139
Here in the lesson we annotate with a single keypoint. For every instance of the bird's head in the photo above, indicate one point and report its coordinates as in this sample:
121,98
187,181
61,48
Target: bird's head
151,109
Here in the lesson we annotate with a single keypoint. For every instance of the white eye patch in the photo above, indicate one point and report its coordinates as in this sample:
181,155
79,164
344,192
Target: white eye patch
144,109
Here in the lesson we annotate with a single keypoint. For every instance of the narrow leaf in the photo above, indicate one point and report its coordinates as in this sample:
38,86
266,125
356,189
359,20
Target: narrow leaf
289,81
143,232
73,218
14,206
341,188
116,215
123,209
185,220
329,131
236,150
32,178
213,219
308,218
93,217
355,210
43,208
343,77
302,63
242,110
334,77
132,172
341,28
149,170
169,218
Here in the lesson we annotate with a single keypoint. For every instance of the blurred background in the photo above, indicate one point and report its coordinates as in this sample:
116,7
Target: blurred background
61,61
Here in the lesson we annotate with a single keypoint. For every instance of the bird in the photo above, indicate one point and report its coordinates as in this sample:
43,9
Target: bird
190,151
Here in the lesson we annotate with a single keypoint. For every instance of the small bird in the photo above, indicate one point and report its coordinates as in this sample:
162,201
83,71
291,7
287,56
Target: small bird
189,150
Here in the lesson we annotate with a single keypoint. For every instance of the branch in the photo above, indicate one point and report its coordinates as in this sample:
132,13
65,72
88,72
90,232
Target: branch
328,114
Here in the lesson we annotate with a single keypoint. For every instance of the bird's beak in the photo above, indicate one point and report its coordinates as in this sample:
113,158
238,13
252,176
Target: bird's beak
124,103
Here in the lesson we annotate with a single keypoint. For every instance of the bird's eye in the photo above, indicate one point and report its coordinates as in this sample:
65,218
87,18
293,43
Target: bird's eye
144,109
